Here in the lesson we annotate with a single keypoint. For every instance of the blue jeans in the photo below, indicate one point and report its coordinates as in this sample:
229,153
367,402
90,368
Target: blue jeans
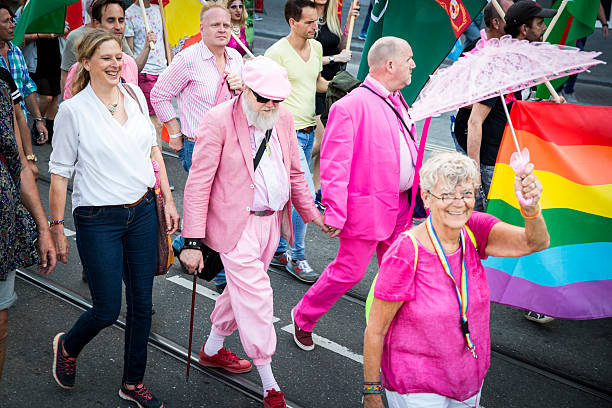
486,175
366,22
185,155
306,143
115,244
472,32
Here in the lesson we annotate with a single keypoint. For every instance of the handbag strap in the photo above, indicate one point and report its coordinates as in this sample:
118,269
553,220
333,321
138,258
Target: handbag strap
130,91
262,147
393,108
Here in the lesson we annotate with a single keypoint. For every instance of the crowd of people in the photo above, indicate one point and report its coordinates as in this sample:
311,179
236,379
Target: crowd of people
261,166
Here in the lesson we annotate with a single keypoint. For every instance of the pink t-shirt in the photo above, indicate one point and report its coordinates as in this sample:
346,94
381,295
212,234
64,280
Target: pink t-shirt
424,350
129,73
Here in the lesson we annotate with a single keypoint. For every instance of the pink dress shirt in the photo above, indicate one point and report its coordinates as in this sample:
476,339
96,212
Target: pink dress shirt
271,181
424,350
193,78
129,73
408,152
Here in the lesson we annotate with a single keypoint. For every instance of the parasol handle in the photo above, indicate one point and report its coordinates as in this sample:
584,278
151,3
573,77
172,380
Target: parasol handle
193,293
242,45
349,37
518,149
165,30
146,21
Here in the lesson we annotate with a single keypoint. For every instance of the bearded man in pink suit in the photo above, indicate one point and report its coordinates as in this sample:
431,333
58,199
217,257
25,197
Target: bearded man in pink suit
368,158
241,213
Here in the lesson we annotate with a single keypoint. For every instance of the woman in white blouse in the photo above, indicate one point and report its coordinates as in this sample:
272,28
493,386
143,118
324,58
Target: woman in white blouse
104,140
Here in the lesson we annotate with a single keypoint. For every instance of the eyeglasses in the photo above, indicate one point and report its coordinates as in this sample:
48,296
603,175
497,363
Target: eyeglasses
262,99
447,198
236,6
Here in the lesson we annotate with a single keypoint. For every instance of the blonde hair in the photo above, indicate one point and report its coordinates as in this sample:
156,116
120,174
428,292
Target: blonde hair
244,15
331,17
451,168
86,48
209,5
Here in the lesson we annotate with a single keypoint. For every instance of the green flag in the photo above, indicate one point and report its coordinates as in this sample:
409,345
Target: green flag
41,16
576,21
430,26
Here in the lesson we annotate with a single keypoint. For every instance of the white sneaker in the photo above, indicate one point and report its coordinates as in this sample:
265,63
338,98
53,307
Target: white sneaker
538,317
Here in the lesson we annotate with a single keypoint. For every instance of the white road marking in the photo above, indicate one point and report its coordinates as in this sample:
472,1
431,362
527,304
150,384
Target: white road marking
69,232
330,345
201,290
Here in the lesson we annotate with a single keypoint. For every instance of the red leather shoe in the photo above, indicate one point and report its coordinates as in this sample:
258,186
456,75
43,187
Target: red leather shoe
225,360
275,399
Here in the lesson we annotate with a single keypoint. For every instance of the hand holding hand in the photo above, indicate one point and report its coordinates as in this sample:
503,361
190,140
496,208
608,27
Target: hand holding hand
319,222
172,217
46,252
43,134
333,231
61,243
192,259
234,81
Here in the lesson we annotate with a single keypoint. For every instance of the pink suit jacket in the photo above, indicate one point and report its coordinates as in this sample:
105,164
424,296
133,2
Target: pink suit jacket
219,190
360,166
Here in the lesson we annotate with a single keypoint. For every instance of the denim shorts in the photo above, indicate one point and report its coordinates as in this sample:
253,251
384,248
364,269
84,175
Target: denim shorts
7,291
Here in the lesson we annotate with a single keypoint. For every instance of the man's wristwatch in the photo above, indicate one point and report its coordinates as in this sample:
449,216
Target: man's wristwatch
192,243
32,157
331,59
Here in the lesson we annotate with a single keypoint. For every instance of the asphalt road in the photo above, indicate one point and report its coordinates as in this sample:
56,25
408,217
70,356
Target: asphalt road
330,376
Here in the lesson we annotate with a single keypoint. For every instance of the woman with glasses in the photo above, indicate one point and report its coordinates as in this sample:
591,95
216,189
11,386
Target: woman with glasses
238,15
428,328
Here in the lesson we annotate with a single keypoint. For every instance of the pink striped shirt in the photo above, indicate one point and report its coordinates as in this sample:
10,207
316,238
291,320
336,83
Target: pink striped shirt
193,78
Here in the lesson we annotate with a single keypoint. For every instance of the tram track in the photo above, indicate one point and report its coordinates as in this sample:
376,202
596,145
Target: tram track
253,390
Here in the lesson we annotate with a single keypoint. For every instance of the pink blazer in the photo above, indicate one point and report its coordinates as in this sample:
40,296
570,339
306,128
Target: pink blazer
360,168
219,190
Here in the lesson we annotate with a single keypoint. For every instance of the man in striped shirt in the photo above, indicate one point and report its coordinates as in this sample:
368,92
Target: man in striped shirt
199,77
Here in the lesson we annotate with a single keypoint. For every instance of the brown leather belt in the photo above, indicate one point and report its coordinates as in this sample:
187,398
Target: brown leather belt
136,203
306,129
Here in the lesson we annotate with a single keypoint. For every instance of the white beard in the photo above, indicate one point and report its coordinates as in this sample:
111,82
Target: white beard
260,121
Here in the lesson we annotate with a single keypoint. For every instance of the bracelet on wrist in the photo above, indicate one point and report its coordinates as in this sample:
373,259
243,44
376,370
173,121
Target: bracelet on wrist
175,135
192,243
38,119
372,388
56,222
531,217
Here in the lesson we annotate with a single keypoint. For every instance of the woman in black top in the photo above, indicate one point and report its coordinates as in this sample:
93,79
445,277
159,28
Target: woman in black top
335,57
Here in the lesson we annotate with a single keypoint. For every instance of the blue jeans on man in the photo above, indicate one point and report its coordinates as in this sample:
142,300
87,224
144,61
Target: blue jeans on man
117,244
297,250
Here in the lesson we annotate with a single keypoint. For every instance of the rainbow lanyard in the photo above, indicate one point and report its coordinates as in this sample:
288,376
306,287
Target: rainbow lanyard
462,295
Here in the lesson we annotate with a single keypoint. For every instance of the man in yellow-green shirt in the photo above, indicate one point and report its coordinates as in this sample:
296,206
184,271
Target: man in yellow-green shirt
302,56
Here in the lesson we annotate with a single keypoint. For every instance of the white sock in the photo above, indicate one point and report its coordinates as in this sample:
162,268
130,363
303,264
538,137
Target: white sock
213,343
267,378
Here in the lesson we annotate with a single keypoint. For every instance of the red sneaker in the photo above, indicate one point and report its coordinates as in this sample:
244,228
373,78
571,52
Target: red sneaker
302,338
275,399
225,360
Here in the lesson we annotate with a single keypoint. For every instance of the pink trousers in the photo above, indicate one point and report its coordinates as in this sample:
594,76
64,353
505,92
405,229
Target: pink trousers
345,271
246,303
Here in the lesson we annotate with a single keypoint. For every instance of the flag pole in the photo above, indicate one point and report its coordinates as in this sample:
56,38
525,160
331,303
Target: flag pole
146,21
165,30
242,45
349,37
550,88
554,20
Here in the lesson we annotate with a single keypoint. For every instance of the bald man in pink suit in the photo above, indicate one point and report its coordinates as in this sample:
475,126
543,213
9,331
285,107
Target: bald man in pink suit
368,158
241,213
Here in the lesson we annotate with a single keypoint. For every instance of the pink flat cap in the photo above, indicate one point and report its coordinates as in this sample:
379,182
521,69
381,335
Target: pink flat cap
266,78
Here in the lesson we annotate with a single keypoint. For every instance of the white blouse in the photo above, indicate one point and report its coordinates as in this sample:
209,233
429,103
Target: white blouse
110,162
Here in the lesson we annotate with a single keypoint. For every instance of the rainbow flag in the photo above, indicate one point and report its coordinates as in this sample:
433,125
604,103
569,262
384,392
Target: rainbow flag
571,148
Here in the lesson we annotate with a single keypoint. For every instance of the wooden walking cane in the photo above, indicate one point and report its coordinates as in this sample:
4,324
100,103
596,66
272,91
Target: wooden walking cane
193,293
165,30
349,37
146,21
501,13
